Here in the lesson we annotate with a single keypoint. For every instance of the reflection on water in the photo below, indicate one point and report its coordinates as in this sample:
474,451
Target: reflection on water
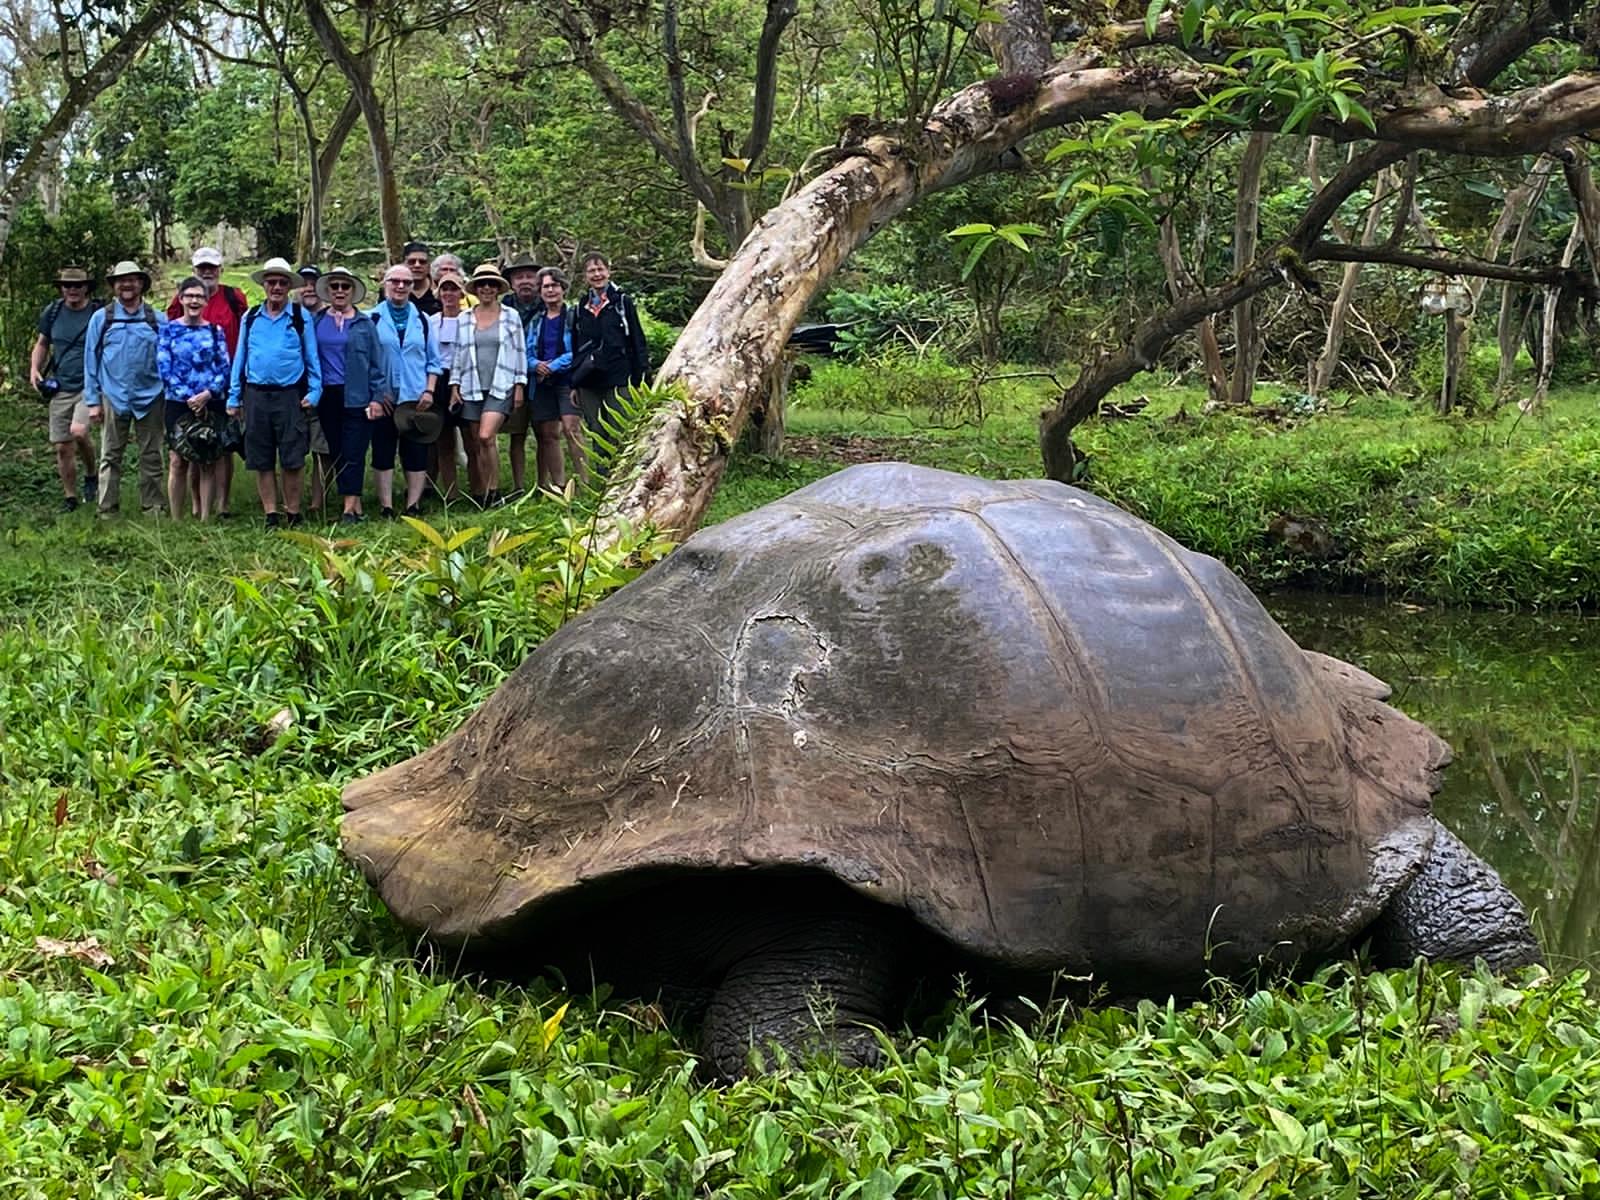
1518,697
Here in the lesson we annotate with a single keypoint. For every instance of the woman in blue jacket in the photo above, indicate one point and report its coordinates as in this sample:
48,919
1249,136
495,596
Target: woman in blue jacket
352,376
551,408
411,367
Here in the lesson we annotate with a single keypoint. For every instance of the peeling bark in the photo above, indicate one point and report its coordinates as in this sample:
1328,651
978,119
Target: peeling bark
1508,330
1327,364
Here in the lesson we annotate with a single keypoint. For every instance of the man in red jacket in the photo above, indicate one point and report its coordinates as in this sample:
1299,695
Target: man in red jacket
225,306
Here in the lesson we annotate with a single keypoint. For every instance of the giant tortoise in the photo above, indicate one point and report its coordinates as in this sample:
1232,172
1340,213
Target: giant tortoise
902,717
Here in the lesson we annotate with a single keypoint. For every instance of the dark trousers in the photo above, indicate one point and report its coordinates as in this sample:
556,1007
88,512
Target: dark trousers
358,433
330,415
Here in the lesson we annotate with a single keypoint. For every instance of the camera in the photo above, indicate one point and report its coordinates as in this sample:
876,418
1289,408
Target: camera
49,387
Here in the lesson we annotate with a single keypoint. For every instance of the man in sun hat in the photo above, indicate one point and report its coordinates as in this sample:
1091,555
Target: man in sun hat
277,380
122,388
55,369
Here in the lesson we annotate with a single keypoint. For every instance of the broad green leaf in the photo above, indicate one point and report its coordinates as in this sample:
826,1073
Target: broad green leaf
433,536
969,230
1152,16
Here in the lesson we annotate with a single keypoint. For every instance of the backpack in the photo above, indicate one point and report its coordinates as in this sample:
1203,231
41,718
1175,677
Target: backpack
146,314
297,319
236,301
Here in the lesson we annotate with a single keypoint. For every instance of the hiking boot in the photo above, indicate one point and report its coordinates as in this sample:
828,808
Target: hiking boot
69,504
351,518
91,489
413,510
274,521
294,520
387,512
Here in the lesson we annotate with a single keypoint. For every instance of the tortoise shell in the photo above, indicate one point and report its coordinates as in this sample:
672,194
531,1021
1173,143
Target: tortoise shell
1032,721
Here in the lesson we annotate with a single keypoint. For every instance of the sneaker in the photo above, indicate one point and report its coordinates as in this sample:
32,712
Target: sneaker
69,504
387,512
274,520
514,495
294,520
91,489
350,519
413,510
493,500
224,515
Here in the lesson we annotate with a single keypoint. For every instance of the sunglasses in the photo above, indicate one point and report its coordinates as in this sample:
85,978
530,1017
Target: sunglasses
416,262
337,285
71,287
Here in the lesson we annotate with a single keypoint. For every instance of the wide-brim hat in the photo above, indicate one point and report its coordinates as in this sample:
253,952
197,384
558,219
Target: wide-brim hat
73,275
522,262
422,426
488,273
358,289
128,267
274,266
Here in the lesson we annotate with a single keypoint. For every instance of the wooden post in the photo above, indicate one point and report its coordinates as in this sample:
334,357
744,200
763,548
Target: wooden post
1455,341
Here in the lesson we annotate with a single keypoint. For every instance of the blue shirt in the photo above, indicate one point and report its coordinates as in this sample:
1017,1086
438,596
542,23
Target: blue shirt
192,359
408,361
550,342
273,355
332,338
125,376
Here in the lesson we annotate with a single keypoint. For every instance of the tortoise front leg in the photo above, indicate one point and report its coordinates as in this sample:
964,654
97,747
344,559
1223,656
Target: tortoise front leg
824,982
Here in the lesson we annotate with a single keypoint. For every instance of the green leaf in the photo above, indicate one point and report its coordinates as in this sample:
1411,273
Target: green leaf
1152,16
1302,113
1189,22
969,230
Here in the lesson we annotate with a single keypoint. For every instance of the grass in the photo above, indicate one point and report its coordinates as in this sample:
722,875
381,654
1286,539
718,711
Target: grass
199,998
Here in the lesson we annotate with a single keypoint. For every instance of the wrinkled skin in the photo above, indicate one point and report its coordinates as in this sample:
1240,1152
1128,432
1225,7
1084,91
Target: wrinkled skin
906,717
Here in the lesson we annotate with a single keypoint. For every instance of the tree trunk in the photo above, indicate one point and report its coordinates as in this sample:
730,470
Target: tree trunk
1455,346
1508,331
308,244
357,71
1246,234
1547,326
1181,281
1327,364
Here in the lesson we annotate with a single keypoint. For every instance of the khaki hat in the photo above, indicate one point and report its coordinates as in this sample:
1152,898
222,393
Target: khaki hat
423,427
358,289
128,267
206,256
523,262
73,275
489,273
274,266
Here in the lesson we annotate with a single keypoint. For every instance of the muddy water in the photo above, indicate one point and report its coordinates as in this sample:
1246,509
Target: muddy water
1518,697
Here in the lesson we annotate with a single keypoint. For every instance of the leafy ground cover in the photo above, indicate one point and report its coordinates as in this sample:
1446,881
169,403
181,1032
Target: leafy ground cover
198,997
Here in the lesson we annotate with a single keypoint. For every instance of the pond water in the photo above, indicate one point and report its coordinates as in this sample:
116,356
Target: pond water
1518,697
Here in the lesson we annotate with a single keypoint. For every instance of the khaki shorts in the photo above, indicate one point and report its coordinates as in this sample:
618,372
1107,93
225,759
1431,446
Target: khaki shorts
66,410
318,439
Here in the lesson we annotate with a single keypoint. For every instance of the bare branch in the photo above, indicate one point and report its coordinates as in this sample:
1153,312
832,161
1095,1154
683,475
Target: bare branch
779,14
1445,264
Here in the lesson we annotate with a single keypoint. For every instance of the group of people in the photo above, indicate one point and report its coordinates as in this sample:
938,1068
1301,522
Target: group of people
310,379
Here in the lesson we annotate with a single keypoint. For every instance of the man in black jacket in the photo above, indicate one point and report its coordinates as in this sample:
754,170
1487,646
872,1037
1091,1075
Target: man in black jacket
608,346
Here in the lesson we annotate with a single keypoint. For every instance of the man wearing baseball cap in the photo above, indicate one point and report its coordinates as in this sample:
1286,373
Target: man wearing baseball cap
225,306
277,380
55,369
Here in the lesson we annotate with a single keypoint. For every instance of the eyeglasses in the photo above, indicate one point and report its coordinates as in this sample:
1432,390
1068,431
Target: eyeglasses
396,281
416,262
207,267
194,298
338,285
275,281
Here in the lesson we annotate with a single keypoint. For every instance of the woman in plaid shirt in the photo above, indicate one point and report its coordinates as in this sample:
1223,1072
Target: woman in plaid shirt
489,377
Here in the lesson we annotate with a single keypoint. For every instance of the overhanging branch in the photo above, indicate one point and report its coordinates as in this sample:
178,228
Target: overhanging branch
1444,264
